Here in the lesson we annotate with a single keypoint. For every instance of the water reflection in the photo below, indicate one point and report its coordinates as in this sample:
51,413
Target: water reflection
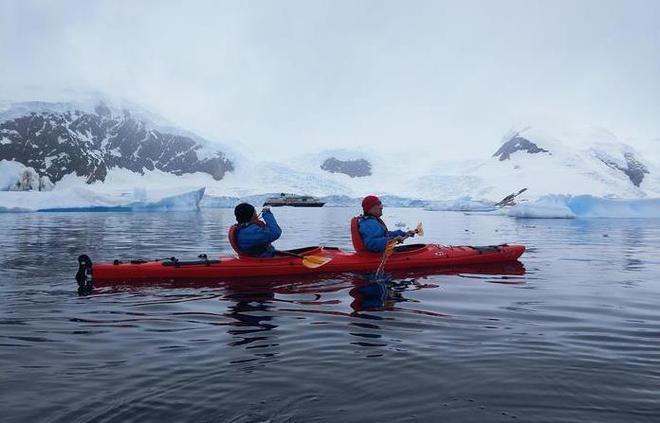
256,303
251,312
383,293
526,345
258,307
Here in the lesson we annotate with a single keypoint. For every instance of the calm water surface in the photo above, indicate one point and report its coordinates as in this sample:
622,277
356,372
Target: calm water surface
576,338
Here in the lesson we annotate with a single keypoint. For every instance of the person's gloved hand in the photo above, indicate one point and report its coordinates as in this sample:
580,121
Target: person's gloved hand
265,210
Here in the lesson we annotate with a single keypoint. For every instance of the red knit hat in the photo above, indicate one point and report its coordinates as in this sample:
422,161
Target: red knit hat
368,202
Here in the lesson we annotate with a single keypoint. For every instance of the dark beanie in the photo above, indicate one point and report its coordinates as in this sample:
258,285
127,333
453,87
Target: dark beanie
244,212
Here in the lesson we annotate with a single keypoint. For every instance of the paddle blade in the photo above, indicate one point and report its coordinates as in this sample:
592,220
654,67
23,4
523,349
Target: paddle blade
419,229
312,262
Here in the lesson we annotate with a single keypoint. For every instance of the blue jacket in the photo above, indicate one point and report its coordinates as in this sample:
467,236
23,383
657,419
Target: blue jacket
255,240
375,234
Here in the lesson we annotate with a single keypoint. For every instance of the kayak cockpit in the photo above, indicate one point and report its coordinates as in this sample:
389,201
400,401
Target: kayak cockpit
411,248
305,250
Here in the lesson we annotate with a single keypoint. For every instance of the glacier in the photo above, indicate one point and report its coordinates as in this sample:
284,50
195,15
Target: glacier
84,200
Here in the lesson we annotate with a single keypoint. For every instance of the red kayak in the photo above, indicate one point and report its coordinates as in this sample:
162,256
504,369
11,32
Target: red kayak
410,257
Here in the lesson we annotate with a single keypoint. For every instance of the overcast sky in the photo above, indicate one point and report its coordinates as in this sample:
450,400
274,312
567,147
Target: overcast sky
297,76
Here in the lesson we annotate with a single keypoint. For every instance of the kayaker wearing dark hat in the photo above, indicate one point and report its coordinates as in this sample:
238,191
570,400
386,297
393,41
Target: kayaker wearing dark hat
373,230
251,236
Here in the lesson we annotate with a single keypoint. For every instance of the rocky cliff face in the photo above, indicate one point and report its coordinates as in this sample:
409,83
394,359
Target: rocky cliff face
353,168
633,168
59,142
517,143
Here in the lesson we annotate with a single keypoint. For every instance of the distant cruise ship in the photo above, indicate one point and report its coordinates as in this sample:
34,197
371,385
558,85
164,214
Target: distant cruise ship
293,200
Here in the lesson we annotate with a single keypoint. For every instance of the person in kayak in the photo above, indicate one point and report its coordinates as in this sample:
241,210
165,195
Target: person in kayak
251,236
372,230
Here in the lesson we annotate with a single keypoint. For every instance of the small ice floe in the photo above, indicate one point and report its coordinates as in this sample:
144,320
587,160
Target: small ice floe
586,206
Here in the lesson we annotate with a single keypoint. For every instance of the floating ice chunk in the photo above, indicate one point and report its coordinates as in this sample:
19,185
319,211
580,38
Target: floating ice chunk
590,206
216,202
548,207
587,206
183,202
461,204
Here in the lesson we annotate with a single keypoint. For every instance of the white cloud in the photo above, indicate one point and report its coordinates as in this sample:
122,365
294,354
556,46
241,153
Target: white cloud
290,76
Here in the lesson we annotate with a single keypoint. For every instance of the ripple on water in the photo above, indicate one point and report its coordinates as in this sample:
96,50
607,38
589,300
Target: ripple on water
574,338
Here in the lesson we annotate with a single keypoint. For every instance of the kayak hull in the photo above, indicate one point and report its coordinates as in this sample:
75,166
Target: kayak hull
407,258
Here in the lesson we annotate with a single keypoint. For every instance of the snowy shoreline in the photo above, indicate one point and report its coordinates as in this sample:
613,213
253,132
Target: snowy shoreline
140,200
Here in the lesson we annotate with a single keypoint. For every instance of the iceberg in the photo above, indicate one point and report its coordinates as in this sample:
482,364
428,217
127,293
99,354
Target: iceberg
188,201
589,206
585,206
461,204
216,202
84,200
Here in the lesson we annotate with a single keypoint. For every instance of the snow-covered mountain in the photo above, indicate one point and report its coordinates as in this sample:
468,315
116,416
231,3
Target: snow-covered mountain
59,139
532,158
601,166
113,149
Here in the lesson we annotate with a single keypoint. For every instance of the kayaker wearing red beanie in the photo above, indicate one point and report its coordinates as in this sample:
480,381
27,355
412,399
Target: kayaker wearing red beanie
373,230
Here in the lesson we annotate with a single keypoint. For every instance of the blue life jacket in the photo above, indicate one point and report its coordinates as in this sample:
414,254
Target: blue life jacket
254,238
374,233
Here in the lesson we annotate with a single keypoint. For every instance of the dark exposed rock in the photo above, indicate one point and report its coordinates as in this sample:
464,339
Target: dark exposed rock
517,143
88,144
634,169
353,168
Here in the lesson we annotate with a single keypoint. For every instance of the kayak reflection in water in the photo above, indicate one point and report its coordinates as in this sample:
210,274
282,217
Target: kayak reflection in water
369,232
373,296
379,293
243,311
251,236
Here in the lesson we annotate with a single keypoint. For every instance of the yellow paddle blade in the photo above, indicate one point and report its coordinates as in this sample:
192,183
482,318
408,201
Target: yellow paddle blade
419,229
313,262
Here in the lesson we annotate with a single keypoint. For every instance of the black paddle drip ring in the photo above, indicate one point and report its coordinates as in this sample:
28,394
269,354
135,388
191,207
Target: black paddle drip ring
84,275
